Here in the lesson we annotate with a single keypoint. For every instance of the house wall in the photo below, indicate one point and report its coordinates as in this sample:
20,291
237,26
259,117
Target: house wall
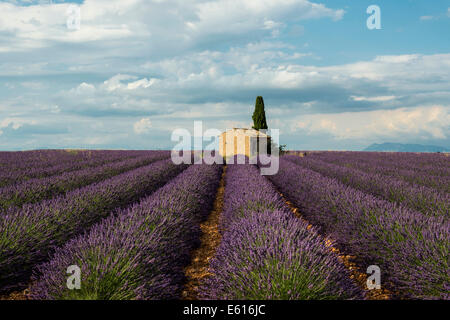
231,143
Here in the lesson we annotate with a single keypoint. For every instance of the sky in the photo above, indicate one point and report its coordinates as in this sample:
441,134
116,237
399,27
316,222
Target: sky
133,71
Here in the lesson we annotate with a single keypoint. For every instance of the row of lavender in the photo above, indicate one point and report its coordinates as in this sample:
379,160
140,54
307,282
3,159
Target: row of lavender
410,248
45,158
35,190
435,173
420,198
440,183
266,252
29,234
425,163
139,252
40,169
21,158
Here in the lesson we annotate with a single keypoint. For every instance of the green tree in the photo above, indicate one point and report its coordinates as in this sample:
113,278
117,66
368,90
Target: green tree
259,115
282,149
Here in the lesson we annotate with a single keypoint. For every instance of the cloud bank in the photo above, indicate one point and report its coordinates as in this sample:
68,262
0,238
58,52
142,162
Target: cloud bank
135,70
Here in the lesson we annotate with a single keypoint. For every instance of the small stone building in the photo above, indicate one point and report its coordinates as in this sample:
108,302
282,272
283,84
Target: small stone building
242,141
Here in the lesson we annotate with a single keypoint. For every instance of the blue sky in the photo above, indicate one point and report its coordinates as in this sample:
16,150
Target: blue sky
136,70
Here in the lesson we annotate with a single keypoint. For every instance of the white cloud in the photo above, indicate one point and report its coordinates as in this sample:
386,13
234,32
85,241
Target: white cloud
15,123
119,82
373,99
405,58
174,24
250,15
182,81
142,126
95,140
84,88
115,82
40,25
142,83
426,18
270,69
422,122
187,84
32,85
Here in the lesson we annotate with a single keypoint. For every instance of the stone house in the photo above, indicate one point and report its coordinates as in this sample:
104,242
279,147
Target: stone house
242,141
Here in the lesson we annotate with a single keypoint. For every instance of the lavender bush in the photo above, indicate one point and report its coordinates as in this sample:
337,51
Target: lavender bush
140,252
266,252
46,158
420,198
35,190
246,192
410,248
29,234
78,161
424,163
431,170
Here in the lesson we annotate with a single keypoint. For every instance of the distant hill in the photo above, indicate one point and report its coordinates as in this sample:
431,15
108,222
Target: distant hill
400,147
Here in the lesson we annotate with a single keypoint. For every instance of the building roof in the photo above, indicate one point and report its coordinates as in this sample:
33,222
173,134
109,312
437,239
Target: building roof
247,132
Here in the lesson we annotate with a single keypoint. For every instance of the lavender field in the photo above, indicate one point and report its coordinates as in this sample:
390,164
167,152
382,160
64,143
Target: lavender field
140,227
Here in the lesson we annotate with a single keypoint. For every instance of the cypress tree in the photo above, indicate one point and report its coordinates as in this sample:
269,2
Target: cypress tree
259,115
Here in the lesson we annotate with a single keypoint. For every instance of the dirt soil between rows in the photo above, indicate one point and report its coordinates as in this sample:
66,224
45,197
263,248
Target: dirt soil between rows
359,277
198,270
16,295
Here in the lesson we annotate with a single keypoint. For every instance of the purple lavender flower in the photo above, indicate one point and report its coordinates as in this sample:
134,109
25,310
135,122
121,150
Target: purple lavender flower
139,252
268,253
29,234
37,189
411,248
